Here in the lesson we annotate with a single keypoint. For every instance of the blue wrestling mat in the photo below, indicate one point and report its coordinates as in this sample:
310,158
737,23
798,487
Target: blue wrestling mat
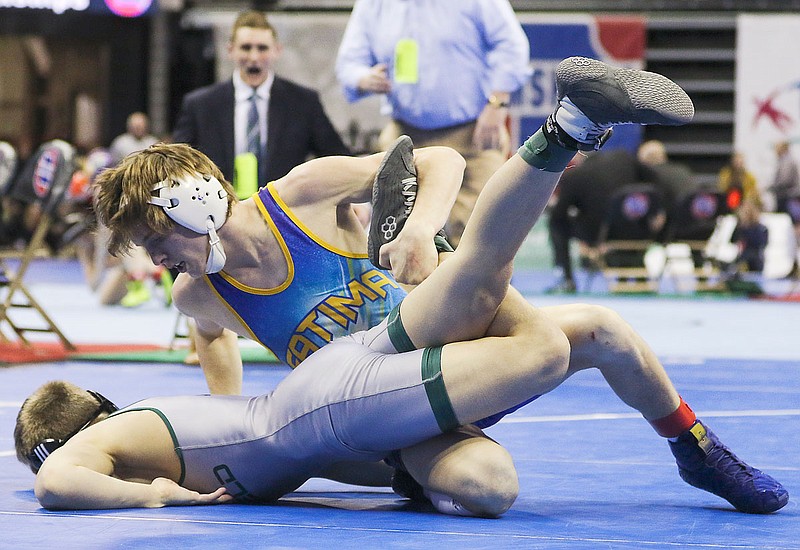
592,473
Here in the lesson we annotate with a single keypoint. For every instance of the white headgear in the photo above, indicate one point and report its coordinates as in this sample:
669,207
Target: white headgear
197,202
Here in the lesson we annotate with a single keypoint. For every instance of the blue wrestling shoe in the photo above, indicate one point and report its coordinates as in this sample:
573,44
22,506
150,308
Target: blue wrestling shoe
393,194
594,96
704,462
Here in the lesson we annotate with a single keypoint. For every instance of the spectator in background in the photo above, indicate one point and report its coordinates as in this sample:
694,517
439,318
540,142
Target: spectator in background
256,114
16,224
580,208
751,236
786,182
136,137
447,70
127,282
738,183
674,179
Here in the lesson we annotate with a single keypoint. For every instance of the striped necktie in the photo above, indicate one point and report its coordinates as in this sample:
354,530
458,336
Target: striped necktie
254,130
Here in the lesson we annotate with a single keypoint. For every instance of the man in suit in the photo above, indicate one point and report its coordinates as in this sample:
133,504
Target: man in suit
290,122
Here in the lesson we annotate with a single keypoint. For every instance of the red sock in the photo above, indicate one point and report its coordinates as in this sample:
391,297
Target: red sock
676,423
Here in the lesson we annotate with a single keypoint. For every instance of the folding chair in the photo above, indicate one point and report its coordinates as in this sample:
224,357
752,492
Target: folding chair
50,171
634,218
691,224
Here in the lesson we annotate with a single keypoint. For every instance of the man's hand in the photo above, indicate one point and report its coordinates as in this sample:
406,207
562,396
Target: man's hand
376,81
172,494
490,129
412,255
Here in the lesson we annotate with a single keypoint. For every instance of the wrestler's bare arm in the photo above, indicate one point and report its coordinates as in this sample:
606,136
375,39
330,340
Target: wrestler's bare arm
217,347
122,462
317,190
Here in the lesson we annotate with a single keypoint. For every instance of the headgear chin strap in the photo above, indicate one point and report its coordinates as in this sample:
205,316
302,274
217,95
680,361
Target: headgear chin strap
200,203
216,254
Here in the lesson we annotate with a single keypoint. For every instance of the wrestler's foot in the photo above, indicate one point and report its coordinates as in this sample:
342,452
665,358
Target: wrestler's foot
407,487
704,462
393,194
594,96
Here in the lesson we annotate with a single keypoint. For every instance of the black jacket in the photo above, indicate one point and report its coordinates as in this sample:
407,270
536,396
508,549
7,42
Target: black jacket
297,127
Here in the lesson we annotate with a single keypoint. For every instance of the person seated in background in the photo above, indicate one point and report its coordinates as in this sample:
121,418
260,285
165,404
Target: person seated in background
751,236
738,183
136,137
786,181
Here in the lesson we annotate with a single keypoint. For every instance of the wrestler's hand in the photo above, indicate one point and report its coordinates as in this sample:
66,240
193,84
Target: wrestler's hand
172,494
412,255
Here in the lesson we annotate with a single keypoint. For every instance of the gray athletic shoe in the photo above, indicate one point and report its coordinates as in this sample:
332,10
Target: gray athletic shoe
594,96
393,194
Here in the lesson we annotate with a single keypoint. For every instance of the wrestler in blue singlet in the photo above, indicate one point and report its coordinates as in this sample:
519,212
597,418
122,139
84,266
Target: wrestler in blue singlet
328,292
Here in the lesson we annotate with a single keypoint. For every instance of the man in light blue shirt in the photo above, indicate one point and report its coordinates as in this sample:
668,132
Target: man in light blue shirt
447,70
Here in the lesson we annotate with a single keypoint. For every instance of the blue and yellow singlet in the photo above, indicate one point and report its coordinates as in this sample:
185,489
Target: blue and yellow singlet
328,292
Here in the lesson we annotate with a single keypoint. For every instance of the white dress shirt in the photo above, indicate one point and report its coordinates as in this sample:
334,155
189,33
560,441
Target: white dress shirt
242,95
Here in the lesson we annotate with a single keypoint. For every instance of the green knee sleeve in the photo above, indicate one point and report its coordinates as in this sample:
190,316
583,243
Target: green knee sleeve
546,155
434,387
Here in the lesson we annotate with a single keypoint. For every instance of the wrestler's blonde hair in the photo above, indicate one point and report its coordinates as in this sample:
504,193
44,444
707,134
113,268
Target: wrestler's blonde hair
122,193
54,411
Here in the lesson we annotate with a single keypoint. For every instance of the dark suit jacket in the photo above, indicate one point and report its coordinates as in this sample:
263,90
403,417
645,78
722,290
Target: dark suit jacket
297,127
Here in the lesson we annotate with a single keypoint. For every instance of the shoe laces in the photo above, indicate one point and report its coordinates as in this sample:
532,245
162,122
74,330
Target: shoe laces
724,461
588,134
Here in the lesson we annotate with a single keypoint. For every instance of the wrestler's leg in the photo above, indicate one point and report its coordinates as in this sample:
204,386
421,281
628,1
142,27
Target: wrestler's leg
459,299
475,473
464,472
601,339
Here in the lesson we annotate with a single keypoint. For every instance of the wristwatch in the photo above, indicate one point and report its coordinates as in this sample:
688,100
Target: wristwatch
495,101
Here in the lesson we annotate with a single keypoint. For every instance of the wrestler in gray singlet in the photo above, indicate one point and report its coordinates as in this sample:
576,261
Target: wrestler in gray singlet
346,402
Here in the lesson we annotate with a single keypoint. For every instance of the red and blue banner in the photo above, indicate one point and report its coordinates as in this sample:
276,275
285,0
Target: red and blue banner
618,40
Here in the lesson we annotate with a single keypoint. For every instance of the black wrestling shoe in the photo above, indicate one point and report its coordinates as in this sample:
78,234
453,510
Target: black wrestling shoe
594,96
393,194
704,462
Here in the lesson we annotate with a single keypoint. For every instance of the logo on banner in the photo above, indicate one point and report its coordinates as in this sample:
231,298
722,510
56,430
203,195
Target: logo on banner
771,109
44,175
128,8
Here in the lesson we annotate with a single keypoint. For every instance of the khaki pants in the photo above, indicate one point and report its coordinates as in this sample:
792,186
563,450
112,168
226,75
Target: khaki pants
480,164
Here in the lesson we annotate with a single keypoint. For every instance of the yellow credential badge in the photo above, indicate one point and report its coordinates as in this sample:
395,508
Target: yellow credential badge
406,61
